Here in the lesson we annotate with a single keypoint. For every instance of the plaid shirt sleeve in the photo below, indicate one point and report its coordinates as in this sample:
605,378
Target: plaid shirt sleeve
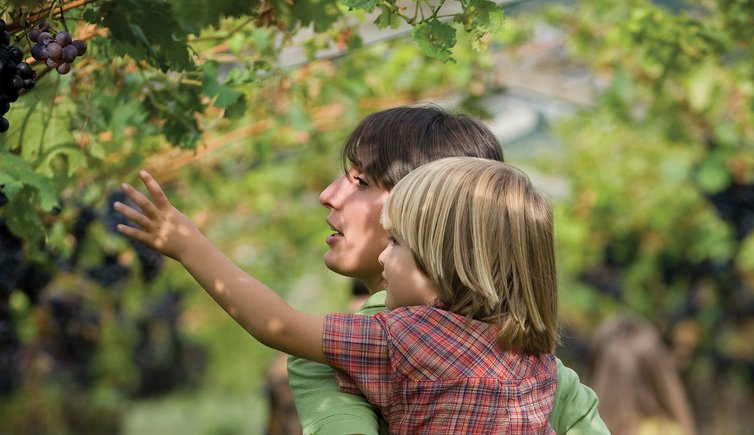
356,347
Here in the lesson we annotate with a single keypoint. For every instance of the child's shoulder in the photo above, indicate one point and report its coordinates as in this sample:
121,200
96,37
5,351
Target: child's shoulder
431,318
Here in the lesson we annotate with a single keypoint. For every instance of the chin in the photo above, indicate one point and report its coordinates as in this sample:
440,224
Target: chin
337,267
330,262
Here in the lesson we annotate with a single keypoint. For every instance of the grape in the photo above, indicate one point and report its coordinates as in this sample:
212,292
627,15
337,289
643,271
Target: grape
29,84
17,82
51,63
80,46
44,38
4,107
64,68
25,70
63,38
4,124
69,53
16,54
38,52
54,50
34,34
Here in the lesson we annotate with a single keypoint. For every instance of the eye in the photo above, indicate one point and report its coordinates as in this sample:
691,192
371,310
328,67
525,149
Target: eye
392,240
359,178
361,182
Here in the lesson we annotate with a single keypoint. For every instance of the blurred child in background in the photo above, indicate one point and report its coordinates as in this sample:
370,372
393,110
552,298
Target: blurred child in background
634,376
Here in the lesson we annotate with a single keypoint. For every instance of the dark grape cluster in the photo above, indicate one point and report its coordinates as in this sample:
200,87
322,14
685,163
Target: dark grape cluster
110,273
735,205
70,324
11,255
72,334
15,74
9,346
57,50
163,357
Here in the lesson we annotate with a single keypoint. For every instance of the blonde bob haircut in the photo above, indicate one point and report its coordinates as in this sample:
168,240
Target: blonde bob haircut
481,232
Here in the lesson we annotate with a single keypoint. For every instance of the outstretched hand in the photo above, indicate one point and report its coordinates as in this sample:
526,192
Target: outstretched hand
260,310
162,227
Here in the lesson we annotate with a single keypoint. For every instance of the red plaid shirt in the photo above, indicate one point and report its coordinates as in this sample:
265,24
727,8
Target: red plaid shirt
431,372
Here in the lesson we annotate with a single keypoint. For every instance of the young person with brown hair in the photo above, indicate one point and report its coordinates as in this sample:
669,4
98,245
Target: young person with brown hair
381,150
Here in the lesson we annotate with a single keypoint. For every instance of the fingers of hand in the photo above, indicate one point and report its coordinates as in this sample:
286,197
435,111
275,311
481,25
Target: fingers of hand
133,215
133,233
159,197
147,207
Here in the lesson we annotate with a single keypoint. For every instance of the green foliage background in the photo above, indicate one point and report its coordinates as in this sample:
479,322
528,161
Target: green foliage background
195,92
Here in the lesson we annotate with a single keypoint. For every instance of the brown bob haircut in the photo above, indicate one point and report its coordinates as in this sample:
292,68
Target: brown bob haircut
389,144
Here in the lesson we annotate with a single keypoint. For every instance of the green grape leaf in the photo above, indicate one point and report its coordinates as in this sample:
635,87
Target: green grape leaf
175,104
22,217
713,175
482,16
210,85
227,97
63,160
236,109
16,173
387,19
436,39
194,15
368,5
233,101
147,30
321,14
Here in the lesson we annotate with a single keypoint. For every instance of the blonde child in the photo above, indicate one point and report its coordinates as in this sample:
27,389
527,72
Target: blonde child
470,280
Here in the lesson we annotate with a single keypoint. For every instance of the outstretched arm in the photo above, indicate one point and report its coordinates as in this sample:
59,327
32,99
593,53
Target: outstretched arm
257,308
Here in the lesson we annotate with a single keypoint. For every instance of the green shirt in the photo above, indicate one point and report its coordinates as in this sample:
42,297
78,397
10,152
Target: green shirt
324,410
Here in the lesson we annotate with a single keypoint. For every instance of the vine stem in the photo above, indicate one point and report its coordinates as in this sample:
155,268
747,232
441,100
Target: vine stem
64,6
225,35
33,17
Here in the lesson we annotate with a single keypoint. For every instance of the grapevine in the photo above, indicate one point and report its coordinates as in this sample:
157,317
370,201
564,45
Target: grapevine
56,50
15,74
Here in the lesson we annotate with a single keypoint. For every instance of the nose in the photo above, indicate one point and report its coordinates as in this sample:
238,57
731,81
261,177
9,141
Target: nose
330,197
383,255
